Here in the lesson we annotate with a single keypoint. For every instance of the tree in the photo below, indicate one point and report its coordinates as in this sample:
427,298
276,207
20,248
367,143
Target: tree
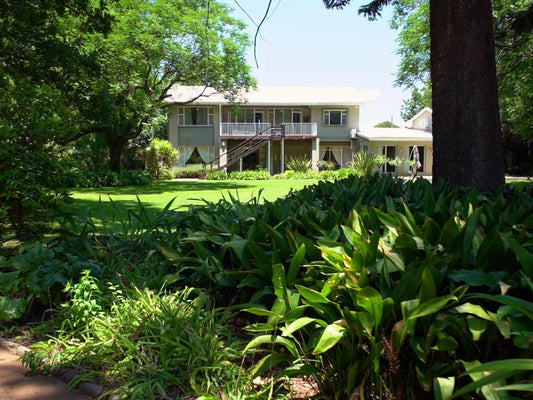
39,73
152,45
514,59
466,125
411,18
386,124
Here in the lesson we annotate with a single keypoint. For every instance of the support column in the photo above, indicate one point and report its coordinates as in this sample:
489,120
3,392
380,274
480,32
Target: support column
269,161
240,164
315,146
282,156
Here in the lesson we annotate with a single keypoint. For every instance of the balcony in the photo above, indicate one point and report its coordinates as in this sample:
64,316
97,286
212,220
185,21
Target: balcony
303,129
244,130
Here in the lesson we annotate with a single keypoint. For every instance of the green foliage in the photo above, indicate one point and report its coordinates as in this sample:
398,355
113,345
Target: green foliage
324,165
373,285
36,278
386,124
175,344
217,176
366,163
160,157
249,174
298,164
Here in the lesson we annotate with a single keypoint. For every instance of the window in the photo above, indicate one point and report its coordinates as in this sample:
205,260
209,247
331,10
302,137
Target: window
390,153
335,117
278,116
192,116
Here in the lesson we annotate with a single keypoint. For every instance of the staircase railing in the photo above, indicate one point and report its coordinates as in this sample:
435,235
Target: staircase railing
243,149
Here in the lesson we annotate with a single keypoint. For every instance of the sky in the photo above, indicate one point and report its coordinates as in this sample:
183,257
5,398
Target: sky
302,43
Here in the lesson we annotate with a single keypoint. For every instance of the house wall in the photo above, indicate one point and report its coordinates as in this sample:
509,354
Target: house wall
402,151
327,132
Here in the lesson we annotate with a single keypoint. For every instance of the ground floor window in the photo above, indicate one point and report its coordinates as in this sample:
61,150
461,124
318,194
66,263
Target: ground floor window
340,156
195,154
390,153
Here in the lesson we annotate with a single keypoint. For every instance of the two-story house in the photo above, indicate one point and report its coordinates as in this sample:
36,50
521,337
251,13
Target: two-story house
271,125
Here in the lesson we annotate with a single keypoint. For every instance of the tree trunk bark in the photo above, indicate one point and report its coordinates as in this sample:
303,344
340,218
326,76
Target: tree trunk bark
466,122
116,145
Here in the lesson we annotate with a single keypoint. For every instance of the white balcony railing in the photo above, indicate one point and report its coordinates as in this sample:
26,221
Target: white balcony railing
249,129
243,129
307,129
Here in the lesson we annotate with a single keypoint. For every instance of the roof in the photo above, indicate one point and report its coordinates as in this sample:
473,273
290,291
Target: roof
412,123
275,95
395,135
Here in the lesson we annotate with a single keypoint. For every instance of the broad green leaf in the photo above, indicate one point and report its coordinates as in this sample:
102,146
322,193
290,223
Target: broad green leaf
525,257
526,387
272,339
262,312
311,295
521,305
443,388
431,306
477,327
296,262
269,361
516,364
329,338
280,284
428,289
300,323
12,308
370,299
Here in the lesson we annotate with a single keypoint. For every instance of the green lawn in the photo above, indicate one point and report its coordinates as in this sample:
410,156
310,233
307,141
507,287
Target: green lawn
184,192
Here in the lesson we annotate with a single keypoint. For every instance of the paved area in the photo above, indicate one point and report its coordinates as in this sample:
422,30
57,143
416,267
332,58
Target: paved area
16,384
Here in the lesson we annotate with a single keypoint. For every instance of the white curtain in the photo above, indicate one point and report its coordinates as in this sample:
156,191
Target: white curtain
206,153
337,153
185,154
322,153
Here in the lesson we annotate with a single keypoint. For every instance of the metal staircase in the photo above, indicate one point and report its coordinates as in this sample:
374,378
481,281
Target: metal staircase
243,149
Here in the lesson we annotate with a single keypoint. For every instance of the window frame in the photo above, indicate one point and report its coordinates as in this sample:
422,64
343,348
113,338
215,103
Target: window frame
182,114
343,117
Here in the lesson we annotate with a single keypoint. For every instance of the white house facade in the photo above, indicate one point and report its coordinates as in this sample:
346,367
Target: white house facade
271,125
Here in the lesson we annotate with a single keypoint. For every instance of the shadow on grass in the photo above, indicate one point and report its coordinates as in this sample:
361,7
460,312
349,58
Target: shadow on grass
168,187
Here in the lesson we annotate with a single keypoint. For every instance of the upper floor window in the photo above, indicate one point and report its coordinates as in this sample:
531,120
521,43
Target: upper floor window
195,116
335,117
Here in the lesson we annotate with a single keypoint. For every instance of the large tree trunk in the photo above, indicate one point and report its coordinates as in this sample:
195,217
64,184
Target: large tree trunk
466,122
116,145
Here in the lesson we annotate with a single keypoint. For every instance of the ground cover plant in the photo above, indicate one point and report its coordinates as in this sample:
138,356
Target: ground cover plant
373,286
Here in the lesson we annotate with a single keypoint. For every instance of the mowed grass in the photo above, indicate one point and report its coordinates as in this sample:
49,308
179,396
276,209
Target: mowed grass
155,196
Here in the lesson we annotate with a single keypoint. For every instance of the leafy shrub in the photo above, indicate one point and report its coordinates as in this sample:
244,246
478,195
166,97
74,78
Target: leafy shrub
292,174
366,163
176,344
160,158
191,171
216,176
37,277
259,174
298,164
104,177
134,177
324,165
